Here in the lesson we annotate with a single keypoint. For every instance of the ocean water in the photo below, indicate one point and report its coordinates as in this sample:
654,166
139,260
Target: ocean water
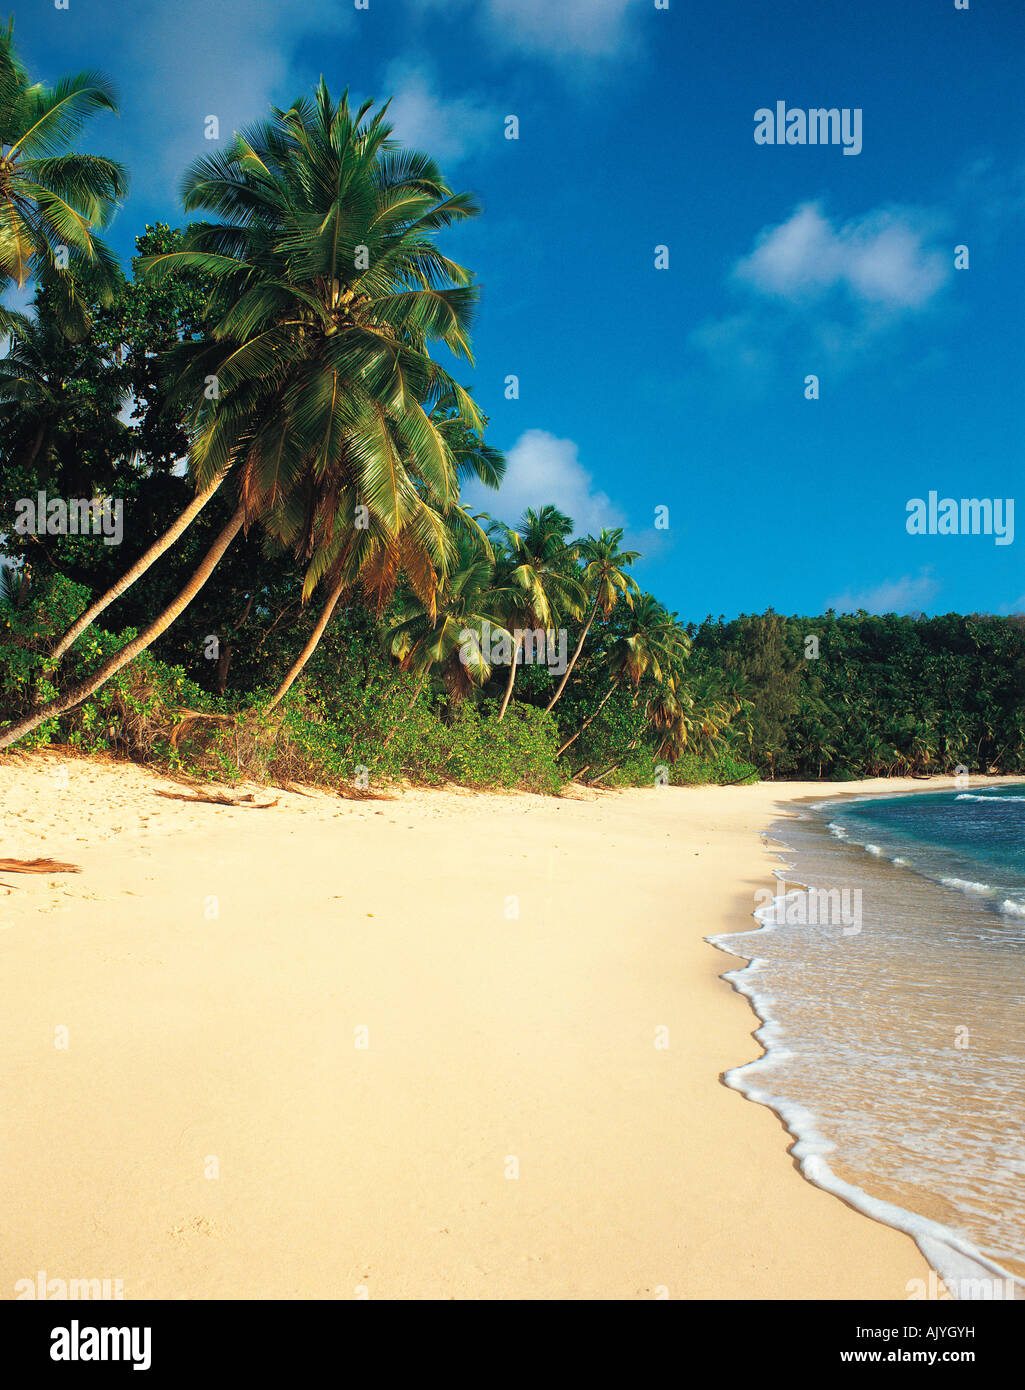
889,971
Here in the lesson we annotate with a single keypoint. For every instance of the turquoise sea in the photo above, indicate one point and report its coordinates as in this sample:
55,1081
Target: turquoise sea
889,971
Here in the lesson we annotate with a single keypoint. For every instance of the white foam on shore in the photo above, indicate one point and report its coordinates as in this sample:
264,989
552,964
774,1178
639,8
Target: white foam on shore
966,885
958,1262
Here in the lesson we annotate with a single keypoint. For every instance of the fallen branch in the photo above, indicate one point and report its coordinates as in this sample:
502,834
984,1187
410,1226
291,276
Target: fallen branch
219,799
37,866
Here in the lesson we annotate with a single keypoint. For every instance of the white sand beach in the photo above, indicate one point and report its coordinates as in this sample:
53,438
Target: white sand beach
398,1049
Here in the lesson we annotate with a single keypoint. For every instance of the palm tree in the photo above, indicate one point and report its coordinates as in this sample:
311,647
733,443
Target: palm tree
327,289
694,713
52,199
655,654
48,388
655,645
535,569
373,557
452,640
15,587
606,580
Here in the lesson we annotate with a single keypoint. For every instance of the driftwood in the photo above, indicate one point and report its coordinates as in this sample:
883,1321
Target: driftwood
219,799
37,866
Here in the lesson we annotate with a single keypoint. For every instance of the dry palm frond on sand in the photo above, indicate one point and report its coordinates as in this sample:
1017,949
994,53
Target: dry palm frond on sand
37,866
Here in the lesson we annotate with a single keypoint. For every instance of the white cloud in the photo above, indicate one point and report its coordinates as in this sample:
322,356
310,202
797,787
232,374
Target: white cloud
448,129
229,61
550,28
906,595
879,259
543,470
588,28
820,295
733,343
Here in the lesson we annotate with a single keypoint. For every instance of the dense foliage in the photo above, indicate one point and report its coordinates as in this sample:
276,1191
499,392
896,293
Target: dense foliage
855,695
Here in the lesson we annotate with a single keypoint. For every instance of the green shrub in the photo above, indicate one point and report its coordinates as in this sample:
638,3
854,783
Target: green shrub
372,717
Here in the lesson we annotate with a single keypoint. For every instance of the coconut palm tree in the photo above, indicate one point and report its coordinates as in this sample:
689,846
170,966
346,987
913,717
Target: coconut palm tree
689,714
453,641
536,570
52,199
606,580
371,557
654,645
328,291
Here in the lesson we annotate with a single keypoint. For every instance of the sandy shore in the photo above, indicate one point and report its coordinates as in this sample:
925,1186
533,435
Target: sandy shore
215,1126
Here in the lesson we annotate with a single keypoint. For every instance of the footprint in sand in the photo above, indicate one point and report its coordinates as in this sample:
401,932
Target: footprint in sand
187,1231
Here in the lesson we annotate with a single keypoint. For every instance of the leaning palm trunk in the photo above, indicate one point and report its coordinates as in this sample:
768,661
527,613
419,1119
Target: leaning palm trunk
611,690
139,568
92,683
509,687
618,763
602,775
311,645
573,659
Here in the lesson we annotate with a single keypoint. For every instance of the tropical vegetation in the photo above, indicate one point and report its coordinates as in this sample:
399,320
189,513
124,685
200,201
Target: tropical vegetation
301,593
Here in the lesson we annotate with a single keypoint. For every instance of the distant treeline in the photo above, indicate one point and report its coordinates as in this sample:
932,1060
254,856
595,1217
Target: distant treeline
844,696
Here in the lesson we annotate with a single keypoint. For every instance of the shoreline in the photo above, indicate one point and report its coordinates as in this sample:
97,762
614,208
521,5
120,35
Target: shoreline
959,1264
513,1129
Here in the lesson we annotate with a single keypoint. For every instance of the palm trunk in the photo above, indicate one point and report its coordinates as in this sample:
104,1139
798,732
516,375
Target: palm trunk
602,775
92,683
310,647
223,662
573,660
138,569
618,763
587,721
509,687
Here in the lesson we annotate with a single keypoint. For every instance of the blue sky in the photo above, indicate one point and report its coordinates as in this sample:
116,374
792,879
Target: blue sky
681,387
